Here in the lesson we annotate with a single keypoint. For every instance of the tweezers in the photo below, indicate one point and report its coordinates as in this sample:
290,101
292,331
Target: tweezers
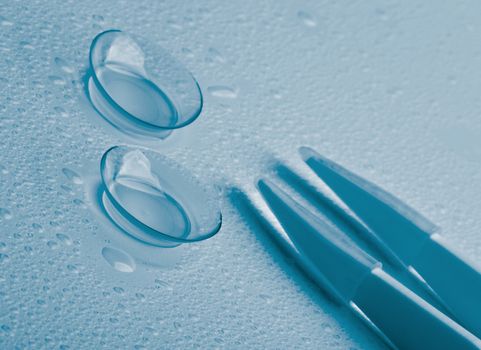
373,272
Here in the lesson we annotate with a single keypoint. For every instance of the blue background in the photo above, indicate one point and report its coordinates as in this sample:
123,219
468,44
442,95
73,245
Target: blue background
389,89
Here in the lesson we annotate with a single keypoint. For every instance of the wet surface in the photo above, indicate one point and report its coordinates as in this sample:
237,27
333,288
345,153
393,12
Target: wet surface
389,90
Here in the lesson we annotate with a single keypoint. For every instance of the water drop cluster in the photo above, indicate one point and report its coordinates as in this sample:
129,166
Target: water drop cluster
390,90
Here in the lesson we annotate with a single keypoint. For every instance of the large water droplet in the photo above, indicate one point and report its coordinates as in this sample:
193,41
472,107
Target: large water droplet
118,259
140,88
222,91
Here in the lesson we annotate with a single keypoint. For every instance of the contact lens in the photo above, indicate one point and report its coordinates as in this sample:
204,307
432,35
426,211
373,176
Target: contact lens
156,200
139,87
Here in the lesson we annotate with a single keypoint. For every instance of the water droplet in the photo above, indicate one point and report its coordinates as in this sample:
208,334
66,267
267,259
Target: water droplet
222,91
63,65
187,52
4,258
61,111
72,268
37,227
267,298
5,214
118,290
163,284
5,22
98,18
56,80
79,202
72,176
306,19
26,45
64,239
118,259
214,56
52,244
276,94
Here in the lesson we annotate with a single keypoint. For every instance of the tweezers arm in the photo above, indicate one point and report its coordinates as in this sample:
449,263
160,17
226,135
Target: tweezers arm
405,319
455,281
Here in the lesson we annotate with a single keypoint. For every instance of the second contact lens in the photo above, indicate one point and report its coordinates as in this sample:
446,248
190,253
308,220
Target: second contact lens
156,200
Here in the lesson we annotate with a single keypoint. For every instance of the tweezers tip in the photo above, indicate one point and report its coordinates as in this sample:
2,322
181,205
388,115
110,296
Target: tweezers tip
307,152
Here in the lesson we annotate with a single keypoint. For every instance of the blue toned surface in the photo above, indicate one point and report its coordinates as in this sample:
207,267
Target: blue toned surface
390,90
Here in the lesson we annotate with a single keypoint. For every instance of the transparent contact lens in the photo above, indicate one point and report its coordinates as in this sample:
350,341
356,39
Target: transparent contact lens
155,200
139,87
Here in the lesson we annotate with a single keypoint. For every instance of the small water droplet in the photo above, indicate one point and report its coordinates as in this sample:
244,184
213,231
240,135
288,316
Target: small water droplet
119,290
276,94
56,80
306,19
52,244
37,227
64,239
98,18
72,268
63,65
266,298
72,176
79,202
5,214
214,56
187,52
118,259
26,45
61,111
5,22
222,91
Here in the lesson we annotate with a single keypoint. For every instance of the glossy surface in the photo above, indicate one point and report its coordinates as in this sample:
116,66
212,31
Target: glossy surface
155,200
388,89
140,89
